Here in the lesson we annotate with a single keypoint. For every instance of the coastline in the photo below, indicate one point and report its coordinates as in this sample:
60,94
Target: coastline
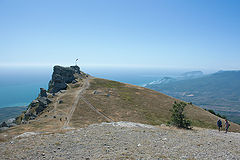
11,112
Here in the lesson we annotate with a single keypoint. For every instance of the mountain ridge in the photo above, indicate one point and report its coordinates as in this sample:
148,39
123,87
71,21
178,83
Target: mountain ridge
218,91
73,108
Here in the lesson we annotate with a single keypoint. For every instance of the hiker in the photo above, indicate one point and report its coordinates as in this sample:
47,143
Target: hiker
219,124
226,125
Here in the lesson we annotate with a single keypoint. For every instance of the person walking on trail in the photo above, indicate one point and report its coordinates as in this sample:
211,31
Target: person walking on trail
226,125
219,124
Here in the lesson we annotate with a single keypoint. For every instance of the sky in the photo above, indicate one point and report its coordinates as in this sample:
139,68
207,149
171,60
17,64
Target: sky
193,34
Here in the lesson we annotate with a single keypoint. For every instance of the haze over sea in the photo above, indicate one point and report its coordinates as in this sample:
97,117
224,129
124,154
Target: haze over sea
20,85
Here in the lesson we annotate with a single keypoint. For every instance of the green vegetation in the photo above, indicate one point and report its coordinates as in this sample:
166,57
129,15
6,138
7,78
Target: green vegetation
178,117
216,114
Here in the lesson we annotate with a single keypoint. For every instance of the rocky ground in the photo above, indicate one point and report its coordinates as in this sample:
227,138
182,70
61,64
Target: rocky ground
124,140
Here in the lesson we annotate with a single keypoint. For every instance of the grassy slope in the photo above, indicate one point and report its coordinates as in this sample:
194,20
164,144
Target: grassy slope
125,103
132,103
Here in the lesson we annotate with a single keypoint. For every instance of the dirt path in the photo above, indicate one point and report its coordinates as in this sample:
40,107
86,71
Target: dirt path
78,97
96,110
76,100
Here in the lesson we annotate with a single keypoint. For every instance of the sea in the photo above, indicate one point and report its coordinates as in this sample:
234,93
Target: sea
20,85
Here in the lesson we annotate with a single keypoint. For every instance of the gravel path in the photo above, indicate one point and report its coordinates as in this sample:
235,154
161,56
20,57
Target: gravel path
124,140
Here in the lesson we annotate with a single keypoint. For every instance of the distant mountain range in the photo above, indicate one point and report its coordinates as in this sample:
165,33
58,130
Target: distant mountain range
219,91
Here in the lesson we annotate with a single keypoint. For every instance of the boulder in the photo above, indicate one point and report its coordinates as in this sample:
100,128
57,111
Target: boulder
60,102
43,103
4,124
43,92
74,81
29,116
11,122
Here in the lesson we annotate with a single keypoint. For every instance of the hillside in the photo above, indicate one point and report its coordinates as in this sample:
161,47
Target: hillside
68,121
92,100
219,91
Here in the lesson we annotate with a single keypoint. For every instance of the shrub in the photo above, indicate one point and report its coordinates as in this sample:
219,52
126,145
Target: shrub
178,117
219,115
211,111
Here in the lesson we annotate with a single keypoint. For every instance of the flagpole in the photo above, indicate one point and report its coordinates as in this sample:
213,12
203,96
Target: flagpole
76,62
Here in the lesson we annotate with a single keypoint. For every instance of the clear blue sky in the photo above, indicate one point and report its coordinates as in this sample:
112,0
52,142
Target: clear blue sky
148,33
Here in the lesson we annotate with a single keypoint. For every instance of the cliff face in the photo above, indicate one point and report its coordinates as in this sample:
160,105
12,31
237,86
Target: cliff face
60,78
63,75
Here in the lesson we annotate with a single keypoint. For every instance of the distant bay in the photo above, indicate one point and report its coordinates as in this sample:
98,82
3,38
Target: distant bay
10,112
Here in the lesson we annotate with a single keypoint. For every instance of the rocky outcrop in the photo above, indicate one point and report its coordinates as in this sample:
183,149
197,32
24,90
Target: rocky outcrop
6,124
62,76
36,107
43,92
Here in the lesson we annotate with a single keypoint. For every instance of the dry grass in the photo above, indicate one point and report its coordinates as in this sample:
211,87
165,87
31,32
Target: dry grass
137,104
119,101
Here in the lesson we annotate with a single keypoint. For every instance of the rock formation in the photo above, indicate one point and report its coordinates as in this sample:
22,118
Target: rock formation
37,106
63,75
43,92
60,78
6,124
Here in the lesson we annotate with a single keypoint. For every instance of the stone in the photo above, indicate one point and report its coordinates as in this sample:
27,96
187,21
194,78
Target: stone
163,125
43,103
56,84
11,122
76,69
74,81
4,124
97,92
43,92
34,103
29,116
62,76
